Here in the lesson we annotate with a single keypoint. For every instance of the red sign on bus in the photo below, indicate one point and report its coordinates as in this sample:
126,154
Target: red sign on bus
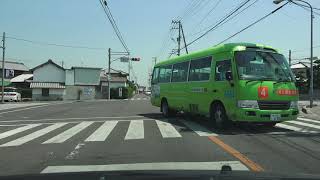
263,92
287,92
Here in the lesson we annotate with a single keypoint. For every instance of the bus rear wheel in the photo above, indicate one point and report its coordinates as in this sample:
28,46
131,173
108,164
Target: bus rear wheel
219,116
166,111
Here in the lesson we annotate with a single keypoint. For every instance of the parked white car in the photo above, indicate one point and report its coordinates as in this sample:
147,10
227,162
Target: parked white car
11,94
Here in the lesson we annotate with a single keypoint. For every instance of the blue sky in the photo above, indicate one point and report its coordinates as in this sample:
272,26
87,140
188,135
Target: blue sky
145,25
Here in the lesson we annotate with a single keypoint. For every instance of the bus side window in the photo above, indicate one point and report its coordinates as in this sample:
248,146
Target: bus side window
179,72
165,74
221,68
155,76
200,69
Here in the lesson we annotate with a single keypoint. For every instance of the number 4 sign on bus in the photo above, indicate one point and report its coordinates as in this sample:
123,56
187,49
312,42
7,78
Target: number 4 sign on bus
263,92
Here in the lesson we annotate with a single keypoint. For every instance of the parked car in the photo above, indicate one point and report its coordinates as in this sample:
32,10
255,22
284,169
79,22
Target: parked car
11,94
147,92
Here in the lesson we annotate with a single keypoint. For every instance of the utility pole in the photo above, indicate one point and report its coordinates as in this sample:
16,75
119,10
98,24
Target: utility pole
184,39
179,37
154,60
290,58
311,57
3,55
109,76
129,69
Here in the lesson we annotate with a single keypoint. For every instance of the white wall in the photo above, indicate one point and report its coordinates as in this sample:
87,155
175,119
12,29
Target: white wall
57,91
69,77
116,85
36,91
49,73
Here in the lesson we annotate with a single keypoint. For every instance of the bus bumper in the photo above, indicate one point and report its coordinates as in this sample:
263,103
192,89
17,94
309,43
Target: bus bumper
256,115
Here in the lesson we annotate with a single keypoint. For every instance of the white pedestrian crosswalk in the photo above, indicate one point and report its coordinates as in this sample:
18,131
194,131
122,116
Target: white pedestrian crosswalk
136,130
167,130
68,133
103,131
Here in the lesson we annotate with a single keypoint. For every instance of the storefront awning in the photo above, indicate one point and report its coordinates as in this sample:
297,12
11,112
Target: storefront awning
21,78
36,85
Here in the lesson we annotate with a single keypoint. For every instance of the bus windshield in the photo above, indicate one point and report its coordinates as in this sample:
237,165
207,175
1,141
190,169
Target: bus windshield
262,65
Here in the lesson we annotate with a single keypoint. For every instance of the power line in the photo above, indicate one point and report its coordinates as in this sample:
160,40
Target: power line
307,8
54,44
107,11
232,17
307,49
252,24
220,22
208,13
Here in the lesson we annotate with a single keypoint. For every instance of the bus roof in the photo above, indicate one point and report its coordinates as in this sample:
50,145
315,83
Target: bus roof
219,48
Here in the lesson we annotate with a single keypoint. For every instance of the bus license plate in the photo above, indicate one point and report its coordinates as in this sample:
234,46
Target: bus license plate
275,117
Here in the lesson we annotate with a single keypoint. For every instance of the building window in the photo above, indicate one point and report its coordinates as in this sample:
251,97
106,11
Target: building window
45,92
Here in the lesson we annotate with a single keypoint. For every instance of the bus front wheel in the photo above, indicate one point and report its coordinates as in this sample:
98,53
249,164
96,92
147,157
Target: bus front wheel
219,116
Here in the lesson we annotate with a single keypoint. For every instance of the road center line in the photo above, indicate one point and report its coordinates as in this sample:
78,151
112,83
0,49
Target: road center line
245,160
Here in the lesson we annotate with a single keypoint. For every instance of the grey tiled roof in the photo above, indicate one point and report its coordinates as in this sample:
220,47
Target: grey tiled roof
14,65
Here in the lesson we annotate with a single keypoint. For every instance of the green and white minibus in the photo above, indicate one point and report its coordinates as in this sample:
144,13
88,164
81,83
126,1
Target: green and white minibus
241,82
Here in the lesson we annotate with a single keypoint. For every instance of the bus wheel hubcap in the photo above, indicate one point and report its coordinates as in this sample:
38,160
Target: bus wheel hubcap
218,115
164,109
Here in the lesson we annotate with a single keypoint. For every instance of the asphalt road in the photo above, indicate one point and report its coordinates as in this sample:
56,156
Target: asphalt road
131,134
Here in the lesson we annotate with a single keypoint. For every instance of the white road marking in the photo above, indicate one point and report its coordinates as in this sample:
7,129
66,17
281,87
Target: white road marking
138,98
102,132
33,135
305,124
135,130
33,107
72,122
75,152
68,133
294,128
200,130
77,118
309,120
17,130
167,130
209,166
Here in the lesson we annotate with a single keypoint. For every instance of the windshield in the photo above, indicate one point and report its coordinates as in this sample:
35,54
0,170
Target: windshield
262,65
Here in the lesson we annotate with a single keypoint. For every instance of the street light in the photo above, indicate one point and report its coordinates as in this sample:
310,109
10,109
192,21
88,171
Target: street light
311,49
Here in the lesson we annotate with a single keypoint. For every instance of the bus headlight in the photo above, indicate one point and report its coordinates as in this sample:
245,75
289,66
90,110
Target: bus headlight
294,105
248,104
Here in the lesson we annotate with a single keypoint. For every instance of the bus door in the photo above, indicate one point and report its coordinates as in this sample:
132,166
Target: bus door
178,85
223,85
199,85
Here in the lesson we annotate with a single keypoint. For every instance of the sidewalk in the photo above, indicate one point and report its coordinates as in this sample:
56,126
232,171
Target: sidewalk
311,113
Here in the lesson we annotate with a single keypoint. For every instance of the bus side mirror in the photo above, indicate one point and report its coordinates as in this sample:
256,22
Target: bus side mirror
228,75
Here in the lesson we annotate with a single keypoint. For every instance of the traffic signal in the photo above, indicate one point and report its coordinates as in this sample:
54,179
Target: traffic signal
135,59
